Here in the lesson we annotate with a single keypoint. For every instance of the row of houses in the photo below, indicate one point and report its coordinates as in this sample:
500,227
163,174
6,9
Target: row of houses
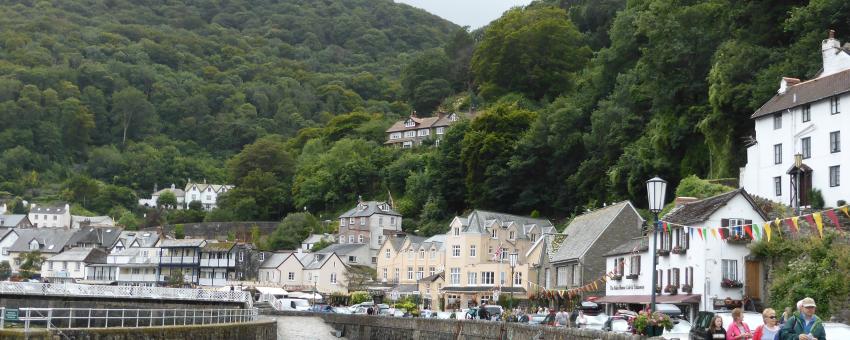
57,215
114,256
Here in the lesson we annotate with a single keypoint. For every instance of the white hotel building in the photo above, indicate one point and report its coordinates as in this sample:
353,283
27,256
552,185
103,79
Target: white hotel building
809,119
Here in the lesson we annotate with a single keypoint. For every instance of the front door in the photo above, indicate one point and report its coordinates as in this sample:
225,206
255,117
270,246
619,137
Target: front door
805,187
753,283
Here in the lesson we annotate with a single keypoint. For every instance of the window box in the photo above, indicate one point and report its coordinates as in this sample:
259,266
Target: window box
673,290
617,277
678,250
739,239
657,290
728,283
663,252
686,288
632,276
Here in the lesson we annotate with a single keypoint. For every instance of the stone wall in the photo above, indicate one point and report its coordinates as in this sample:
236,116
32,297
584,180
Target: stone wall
257,330
34,301
357,327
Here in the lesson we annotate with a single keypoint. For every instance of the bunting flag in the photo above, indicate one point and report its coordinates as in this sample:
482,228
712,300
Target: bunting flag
690,233
834,218
811,221
767,230
846,211
819,222
699,231
756,231
749,230
664,226
795,225
714,232
724,233
778,225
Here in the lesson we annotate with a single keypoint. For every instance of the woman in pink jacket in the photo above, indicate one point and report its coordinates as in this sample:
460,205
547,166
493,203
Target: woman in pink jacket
738,330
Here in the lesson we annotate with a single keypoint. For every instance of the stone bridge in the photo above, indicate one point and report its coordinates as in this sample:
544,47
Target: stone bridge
362,327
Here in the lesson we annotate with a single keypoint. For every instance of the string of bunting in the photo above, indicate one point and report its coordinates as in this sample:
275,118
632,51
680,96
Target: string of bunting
765,231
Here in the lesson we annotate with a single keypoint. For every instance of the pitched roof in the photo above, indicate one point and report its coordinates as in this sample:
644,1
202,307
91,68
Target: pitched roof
51,240
204,186
343,249
479,220
56,208
218,246
435,277
368,208
94,221
585,229
315,238
89,255
143,238
640,244
441,119
11,220
104,237
316,260
701,210
806,92
274,260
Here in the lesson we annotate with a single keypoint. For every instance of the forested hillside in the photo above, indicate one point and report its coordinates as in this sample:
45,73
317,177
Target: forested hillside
578,102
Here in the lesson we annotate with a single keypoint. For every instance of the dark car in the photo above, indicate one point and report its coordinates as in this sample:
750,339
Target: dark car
494,311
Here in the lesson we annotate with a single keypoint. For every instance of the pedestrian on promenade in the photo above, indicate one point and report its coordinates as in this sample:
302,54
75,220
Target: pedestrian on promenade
562,318
805,326
716,330
482,312
786,315
770,329
738,330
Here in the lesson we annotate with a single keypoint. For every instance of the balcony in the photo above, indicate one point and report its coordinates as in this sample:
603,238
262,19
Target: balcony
220,263
187,260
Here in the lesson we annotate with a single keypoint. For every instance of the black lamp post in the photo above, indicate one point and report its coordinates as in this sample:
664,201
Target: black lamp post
656,189
513,258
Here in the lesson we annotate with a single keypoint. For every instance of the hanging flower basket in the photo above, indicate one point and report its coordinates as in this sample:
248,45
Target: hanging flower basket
686,288
632,276
663,252
727,283
739,239
657,290
673,290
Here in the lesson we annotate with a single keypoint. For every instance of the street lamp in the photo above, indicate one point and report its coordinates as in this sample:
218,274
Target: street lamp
513,258
656,189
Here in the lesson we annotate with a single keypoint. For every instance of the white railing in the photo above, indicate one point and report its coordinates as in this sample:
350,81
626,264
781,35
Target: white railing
63,318
134,292
218,262
188,260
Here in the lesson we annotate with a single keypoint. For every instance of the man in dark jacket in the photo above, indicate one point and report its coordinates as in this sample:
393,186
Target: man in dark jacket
806,326
482,312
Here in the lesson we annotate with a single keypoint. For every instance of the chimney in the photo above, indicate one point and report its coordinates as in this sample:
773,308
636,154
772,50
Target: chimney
172,186
413,114
685,200
787,82
834,60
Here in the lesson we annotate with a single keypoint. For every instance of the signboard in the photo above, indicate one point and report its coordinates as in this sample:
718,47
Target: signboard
11,315
495,296
394,295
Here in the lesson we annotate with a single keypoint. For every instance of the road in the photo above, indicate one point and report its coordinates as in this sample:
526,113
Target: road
303,327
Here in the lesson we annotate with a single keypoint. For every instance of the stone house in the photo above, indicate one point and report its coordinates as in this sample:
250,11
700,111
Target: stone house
370,222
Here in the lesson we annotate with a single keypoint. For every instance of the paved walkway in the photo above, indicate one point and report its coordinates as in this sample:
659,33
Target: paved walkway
303,327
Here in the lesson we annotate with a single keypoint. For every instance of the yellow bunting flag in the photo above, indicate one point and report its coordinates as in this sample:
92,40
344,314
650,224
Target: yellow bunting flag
714,232
767,230
595,285
794,225
819,222
778,225
846,210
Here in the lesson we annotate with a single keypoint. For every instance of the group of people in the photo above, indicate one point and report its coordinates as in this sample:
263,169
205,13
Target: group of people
800,325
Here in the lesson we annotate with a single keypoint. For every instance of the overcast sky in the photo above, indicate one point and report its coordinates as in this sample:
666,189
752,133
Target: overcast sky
472,13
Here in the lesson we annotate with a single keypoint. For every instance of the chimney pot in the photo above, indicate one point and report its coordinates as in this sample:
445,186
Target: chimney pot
832,34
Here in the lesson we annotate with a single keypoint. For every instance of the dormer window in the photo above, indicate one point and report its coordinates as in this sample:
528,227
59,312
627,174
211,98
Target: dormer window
453,117
409,123
33,245
513,235
493,233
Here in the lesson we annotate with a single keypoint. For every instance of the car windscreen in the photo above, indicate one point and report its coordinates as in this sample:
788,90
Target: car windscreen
619,326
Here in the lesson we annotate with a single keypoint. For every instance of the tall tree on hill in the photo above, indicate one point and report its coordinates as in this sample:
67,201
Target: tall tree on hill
131,106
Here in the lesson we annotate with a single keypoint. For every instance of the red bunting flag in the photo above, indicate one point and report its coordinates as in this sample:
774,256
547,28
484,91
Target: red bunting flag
724,233
834,218
664,226
811,221
749,230
701,236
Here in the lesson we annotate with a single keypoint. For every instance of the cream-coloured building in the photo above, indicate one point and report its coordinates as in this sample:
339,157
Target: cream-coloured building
403,261
430,288
326,271
477,252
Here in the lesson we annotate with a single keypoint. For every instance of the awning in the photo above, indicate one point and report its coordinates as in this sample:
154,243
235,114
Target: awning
271,290
644,299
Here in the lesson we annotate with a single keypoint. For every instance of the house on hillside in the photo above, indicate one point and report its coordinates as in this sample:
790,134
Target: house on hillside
50,216
15,221
205,194
218,263
579,258
369,222
8,237
135,239
46,241
311,240
71,265
270,271
415,130
180,257
88,237
799,134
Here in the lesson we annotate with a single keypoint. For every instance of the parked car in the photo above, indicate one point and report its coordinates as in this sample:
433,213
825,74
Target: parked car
698,328
595,321
836,330
494,310
321,308
671,310
292,304
541,319
342,310
681,330
617,324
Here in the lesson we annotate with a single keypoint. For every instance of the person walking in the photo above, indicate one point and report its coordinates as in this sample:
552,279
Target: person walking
715,329
787,314
562,318
770,329
482,312
805,326
738,330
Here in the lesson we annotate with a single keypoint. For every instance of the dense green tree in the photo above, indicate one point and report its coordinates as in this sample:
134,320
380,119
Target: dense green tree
167,200
293,229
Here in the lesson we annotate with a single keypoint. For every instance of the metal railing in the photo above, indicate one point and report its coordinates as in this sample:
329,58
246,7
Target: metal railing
64,318
134,292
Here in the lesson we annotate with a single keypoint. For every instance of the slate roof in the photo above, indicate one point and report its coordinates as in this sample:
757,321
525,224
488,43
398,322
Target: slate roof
698,211
218,246
368,208
50,240
435,277
56,208
342,249
315,261
93,221
640,244
441,119
144,238
585,229
11,221
88,255
4,232
806,92
274,260
181,243
479,220
315,238
104,237
203,186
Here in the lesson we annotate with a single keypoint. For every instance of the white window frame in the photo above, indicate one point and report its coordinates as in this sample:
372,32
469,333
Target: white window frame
473,251
454,277
730,269
835,176
472,278
488,278
456,250
777,186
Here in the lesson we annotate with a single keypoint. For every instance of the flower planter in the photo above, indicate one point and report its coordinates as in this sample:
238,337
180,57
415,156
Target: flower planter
632,276
617,277
687,289
739,240
726,283
679,250
663,252
653,331
673,290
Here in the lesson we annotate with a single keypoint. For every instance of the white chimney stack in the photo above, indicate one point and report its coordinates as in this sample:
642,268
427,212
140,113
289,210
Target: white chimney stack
835,59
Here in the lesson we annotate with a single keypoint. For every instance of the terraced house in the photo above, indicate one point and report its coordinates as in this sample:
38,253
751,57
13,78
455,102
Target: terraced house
403,261
370,223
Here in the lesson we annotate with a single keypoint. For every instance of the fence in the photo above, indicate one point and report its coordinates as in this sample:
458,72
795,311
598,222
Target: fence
133,292
63,318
